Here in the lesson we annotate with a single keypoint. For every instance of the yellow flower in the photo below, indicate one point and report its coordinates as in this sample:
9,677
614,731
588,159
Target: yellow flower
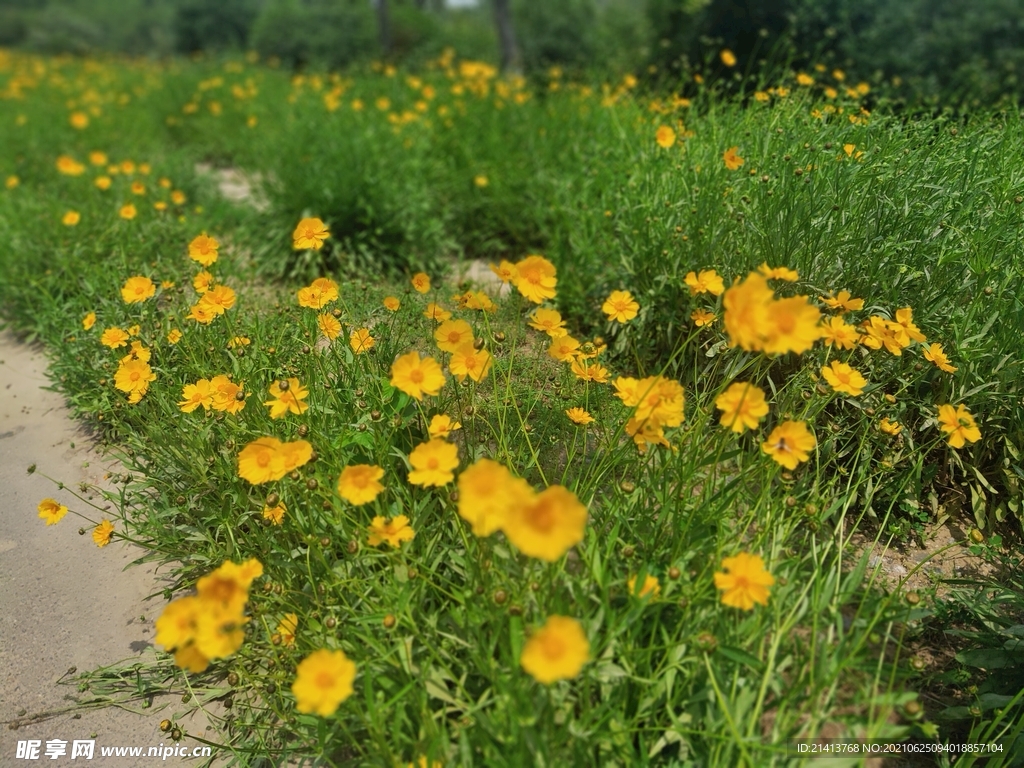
732,159
487,491
506,271
436,312
536,278
579,416
98,158
359,484
287,628
842,378
789,443
791,326
329,326
275,515
128,212
89,321
51,511
202,282
702,317
202,313
746,311
322,681
421,282
452,334
563,348
550,321
227,396
708,281
103,182
195,395
71,218
394,532
218,299
391,304
556,651
905,319
804,79
890,427
11,182
744,582
239,341
101,533
361,341
433,463
665,137
469,361
837,331
935,354
114,338
843,302
728,57
743,406
138,188
178,197
318,294
481,181
589,371
134,377
137,289
649,587
69,166
620,306
549,525
959,425
203,249
417,377
778,273
441,426
287,400
310,234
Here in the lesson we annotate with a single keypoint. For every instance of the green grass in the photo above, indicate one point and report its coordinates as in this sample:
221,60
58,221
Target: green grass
929,217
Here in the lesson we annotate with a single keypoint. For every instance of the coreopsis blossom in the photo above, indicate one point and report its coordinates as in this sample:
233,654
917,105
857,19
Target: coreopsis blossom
791,326
359,483
103,182
127,167
267,458
650,586
417,377
203,249
239,341
588,371
433,463
549,321
290,399
536,278
11,182
890,427
391,304
476,300
138,188
935,355
731,159
361,341
959,425
702,318
202,282
69,166
487,491
556,651
310,234
275,515
98,158
318,294
746,311
727,57
287,629
549,525
803,78
71,218
102,532
707,281
506,271
656,399
441,426
843,302
89,321
329,326
790,443
421,282
905,319
452,334
137,289
579,416
665,137
219,299
778,273
137,352
481,181
114,338
437,313
837,331
393,532
563,348
227,395
195,395
743,405
842,378
467,360
134,377
51,511
178,197
127,212
202,313
620,306
322,681
745,581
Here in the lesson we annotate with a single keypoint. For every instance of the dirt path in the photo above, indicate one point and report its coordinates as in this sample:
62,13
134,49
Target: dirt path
64,602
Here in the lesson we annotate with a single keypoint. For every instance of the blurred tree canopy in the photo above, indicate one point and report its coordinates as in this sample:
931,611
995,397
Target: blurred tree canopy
949,50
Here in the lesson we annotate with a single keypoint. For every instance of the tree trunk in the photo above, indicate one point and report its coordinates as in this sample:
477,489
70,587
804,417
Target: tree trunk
384,26
511,60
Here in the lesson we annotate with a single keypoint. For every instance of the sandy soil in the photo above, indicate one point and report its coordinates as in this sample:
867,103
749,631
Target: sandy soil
64,602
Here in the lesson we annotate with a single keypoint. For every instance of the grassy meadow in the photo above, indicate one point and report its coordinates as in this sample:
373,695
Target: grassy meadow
533,520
